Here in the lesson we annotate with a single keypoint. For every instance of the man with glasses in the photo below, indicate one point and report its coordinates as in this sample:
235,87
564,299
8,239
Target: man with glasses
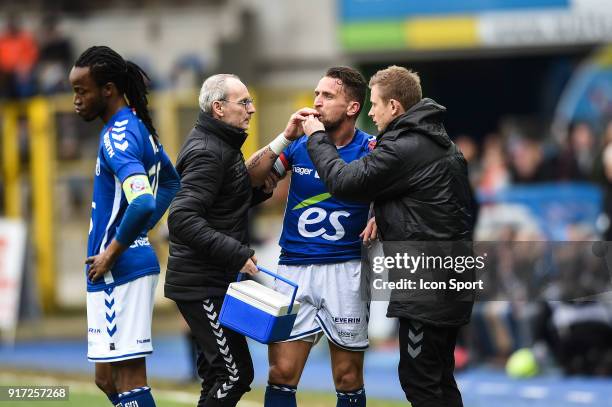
208,235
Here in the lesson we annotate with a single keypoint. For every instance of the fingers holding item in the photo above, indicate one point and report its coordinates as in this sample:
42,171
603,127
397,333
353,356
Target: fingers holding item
312,125
305,112
294,127
296,122
250,267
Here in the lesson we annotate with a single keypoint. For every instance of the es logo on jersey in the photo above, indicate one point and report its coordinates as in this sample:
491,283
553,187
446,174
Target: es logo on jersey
314,216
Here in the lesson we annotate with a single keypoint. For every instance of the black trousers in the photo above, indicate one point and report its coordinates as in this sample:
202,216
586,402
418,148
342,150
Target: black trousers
224,361
426,366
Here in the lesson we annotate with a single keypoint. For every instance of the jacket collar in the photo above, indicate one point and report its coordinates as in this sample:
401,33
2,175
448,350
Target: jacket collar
425,117
232,135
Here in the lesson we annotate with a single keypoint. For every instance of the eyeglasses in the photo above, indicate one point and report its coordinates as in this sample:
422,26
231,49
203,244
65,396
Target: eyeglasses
245,103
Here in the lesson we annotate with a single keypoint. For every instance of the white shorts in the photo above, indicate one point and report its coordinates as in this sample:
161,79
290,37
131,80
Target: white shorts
119,321
331,301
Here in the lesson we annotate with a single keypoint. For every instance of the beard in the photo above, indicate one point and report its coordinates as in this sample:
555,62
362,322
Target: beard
96,109
331,125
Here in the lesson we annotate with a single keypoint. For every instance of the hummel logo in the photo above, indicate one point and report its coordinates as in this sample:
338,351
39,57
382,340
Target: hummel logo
123,146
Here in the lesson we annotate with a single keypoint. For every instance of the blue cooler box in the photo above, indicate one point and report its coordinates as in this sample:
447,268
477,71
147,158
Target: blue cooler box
259,312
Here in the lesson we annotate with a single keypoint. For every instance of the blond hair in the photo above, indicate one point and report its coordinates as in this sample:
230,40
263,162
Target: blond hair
399,83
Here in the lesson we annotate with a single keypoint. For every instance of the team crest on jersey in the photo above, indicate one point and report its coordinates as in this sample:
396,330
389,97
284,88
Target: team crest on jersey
137,185
371,143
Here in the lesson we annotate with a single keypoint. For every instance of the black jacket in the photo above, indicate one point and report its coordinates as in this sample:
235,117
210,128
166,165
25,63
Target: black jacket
209,216
418,181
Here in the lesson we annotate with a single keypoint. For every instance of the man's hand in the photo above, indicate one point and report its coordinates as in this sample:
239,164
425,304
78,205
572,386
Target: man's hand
98,266
271,182
370,232
250,267
294,127
312,125
103,262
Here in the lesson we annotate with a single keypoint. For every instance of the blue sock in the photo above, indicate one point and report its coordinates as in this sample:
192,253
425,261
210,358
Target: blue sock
280,395
356,398
114,399
138,397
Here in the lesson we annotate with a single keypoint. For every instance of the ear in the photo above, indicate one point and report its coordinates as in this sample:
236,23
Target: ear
217,108
107,89
353,109
396,107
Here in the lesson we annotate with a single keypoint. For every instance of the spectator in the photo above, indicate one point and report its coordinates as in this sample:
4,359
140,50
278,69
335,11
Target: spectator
495,173
18,56
529,163
576,161
55,57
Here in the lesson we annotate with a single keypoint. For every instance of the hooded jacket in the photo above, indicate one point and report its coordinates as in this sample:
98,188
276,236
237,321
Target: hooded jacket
417,179
208,218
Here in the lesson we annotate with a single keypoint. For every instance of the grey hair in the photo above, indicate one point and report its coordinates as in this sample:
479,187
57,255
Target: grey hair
214,88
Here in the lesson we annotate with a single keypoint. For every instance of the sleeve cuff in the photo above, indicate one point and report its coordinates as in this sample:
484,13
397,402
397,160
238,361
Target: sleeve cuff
241,257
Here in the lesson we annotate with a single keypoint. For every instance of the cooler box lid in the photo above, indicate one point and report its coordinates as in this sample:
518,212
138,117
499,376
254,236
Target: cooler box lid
264,298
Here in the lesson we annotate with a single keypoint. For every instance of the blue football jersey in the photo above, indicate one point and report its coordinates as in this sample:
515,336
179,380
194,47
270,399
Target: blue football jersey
126,148
318,228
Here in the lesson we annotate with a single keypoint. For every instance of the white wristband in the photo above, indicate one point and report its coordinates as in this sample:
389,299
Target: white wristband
279,144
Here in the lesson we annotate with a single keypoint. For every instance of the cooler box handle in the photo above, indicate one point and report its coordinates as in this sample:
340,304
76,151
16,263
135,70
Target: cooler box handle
281,278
